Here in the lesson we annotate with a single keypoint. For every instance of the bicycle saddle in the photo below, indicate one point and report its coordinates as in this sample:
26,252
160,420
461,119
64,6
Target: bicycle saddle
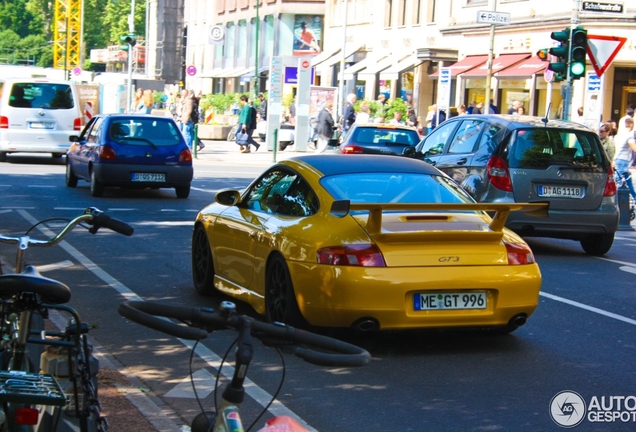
31,281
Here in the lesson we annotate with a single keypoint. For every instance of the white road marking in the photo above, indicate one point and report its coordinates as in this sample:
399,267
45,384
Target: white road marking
42,186
204,190
589,308
54,266
209,356
6,211
165,223
203,382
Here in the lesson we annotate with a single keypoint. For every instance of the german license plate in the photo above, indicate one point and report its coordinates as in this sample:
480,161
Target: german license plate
41,125
450,301
148,177
560,192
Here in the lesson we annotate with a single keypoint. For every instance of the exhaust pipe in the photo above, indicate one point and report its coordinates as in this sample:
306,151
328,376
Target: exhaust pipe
365,325
519,320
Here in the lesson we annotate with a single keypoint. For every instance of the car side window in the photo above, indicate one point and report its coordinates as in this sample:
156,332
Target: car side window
93,134
434,143
466,137
283,193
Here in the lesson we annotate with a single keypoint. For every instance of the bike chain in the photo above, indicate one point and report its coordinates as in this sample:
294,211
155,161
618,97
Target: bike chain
90,397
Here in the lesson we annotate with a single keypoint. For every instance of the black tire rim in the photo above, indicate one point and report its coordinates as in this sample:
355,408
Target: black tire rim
200,256
277,291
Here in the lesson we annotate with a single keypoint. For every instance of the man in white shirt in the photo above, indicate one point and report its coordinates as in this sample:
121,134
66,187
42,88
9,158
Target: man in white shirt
625,148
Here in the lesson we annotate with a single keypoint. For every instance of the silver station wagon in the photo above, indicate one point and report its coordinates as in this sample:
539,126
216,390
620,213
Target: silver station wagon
507,158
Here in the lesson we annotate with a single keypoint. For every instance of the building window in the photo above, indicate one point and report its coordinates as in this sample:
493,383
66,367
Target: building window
242,38
269,36
416,11
476,2
401,13
230,41
430,11
388,13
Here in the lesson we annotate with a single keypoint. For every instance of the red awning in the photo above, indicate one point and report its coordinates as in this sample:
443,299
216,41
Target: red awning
498,64
528,67
464,65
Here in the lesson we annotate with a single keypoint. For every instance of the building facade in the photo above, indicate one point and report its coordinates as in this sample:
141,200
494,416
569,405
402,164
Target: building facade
396,47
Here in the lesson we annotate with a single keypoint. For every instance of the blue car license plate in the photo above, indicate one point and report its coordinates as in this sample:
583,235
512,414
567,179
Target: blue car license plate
450,301
148,177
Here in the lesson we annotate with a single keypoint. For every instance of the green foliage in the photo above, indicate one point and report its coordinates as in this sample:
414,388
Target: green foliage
16,50
287,100
395,105
158,97
220,102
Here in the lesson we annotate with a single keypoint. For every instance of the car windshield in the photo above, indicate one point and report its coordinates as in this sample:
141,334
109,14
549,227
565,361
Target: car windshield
397,188
144,131
539,148
41,95
383,136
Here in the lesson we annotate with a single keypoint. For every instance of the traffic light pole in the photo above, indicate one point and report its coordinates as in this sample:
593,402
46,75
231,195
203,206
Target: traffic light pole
131,30
566,90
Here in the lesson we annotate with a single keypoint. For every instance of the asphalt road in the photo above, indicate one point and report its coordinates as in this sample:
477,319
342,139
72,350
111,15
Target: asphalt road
580,339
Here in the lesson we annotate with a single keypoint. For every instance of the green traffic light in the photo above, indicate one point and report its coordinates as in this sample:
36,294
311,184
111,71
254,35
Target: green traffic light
577,69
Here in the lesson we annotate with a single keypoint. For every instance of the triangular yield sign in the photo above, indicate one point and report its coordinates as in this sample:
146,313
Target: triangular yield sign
602,50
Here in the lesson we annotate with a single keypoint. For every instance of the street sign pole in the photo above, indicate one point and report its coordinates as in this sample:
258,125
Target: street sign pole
567,88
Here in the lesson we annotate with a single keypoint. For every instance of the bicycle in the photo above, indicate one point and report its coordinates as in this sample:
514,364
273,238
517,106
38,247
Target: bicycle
621,182
34,399
199,322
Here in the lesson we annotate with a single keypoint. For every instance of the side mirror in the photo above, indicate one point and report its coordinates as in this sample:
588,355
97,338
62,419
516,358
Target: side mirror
74,138
408,152
228,197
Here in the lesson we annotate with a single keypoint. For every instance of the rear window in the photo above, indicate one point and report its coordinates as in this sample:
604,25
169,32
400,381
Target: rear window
41,95
384,136
539,148
397,188
144,131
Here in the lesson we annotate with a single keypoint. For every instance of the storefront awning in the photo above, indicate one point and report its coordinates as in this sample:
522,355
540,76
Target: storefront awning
362,64
227,73
348,53
394,71
531,66
373,69
323,57
464,65
498,64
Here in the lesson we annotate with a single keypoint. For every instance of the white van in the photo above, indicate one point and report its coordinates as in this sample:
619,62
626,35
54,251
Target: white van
37,115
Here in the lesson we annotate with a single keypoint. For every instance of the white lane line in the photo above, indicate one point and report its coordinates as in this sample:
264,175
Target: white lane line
209,356
41,186
204,190
165,223
6,211
589,308
54,266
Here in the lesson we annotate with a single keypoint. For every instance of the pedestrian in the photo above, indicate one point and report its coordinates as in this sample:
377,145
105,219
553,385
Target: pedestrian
461,109
625,148
606,140
492,108
349,113
479,108
429,119
196,118
471,108
439,117
364,116
397,119
262,108
324,127
184,111
292,112
146,102
247,124
578,117
411,118
521,110
139,93
514,109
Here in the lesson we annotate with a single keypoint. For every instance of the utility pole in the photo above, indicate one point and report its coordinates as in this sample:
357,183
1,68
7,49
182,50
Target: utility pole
131,30
341,97
489,64
257,29
566,90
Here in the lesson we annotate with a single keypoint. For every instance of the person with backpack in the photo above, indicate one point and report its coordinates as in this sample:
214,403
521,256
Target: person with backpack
246,127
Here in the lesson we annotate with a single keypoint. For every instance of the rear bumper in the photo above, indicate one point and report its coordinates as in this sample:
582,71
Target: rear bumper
333,296
27,141
121,175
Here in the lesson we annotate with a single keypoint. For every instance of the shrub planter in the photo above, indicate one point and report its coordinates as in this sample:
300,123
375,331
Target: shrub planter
213,132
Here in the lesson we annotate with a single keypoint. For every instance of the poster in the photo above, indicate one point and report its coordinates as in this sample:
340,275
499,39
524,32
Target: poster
318,97
307,34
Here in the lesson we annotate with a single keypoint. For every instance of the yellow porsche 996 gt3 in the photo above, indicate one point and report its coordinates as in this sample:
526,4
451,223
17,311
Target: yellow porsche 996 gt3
372,242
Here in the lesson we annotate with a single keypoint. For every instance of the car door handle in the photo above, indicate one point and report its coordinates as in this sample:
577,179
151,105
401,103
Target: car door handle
462,161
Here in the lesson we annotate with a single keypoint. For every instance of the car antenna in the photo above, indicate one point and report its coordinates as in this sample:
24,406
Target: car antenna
547,114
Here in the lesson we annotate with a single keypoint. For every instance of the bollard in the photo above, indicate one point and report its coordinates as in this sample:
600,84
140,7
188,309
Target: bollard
623,208
195,140
275,145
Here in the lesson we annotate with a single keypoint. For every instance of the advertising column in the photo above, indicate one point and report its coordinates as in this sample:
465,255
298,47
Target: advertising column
301,133
275,99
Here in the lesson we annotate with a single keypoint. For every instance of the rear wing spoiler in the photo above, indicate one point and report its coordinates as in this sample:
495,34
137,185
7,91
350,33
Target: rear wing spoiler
341,208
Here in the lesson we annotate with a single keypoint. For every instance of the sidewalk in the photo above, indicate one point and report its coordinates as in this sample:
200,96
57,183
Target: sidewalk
228,152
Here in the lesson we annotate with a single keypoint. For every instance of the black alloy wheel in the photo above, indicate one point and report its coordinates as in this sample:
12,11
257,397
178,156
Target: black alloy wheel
280,299
202,265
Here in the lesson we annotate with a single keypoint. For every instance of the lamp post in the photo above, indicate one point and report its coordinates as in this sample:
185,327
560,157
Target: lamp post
131,30
256,42
341,96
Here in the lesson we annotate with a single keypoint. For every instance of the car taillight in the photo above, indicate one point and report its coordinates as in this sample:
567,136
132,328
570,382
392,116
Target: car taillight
77,124
519,254
610,184
107,152
351,149
4,122
498,174
365,255
26,416
185,156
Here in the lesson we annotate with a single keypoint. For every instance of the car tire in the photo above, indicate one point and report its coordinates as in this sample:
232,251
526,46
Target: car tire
71,179
280,299
182,191
597,244
97,189
202,264
3,156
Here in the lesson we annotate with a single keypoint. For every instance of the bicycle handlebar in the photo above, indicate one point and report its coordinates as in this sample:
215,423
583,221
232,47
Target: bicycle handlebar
206,320
92,216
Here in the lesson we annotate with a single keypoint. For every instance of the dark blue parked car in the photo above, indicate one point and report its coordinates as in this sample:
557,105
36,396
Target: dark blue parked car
130,151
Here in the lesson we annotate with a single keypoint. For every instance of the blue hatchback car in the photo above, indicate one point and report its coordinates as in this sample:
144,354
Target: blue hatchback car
130,151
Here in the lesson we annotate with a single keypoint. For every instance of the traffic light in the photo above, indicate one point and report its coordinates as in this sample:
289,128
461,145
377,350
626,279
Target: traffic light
578,54
130,40
562,54
543,54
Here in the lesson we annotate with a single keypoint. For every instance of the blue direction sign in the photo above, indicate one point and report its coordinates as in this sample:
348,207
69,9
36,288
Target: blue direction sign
593,82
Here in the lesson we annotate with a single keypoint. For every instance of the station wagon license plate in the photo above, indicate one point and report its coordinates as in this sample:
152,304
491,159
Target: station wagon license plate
148,177
560,192
450,301
41,125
